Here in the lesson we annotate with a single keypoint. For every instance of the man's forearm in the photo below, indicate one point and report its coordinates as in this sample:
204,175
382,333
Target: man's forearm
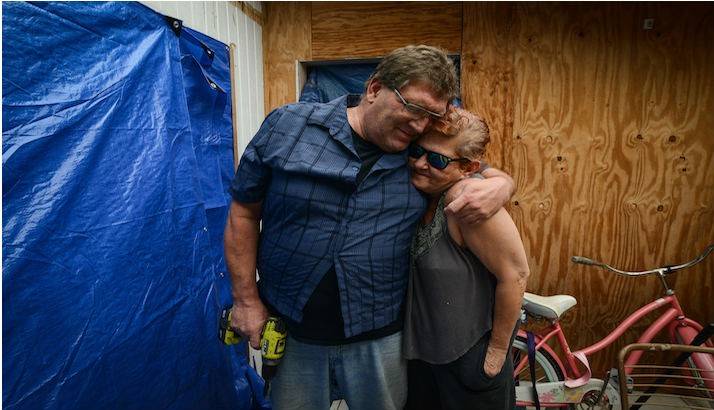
241,249
473,200
497,173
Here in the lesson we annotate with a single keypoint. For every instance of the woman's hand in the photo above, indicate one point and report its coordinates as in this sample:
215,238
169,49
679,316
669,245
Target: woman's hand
493,363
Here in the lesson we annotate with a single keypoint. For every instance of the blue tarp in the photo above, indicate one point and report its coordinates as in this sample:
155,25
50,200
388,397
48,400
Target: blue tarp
325,82
329,81
117,155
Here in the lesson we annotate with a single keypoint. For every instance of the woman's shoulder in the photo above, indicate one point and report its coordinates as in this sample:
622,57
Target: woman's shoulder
460,230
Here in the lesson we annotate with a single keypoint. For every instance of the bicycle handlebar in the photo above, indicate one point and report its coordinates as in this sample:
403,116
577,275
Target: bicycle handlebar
664,270
584,261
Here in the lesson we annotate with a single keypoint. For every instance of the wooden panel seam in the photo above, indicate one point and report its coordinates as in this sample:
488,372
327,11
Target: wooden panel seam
249,11
286,39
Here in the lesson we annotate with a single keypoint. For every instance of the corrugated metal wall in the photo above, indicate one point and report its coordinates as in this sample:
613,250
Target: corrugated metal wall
225,21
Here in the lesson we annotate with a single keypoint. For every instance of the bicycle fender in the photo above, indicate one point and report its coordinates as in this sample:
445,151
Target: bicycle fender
557,393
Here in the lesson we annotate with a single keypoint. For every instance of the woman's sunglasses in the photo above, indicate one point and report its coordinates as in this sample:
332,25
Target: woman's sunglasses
436,160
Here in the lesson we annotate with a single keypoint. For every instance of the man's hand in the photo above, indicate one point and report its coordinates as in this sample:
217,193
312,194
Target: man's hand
495,357
473,200
248,320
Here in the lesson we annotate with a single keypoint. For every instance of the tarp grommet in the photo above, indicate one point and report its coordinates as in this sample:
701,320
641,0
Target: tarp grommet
175,24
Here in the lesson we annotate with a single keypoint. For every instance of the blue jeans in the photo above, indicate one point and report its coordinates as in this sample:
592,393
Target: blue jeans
368,375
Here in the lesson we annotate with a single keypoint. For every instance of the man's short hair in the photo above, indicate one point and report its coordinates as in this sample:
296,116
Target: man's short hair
418,63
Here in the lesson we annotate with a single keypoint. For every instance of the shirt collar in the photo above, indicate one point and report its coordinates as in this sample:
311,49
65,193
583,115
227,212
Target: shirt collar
333,116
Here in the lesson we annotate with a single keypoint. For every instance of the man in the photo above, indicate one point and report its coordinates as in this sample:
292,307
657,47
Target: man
329,183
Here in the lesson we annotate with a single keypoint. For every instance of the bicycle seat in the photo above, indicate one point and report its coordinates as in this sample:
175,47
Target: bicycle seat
549,307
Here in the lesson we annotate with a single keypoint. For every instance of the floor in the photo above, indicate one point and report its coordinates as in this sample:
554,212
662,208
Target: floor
654,403
669,403
339,405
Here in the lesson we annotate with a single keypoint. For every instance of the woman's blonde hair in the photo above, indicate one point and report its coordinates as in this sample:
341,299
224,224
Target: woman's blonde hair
470,129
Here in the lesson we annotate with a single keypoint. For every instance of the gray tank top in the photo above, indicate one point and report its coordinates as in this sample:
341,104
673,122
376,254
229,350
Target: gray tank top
450,296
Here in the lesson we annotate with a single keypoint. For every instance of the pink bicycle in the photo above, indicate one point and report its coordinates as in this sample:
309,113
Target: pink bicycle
566,381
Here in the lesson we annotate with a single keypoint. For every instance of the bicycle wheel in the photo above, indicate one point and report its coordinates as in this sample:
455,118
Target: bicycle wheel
547,369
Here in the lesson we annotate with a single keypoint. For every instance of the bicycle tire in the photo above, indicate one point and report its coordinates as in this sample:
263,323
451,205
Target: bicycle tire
547,369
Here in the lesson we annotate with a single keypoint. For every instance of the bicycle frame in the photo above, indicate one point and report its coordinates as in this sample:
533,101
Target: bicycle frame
575,366
672,318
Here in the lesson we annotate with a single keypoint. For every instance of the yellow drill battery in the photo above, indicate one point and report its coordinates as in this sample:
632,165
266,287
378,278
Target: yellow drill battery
272,339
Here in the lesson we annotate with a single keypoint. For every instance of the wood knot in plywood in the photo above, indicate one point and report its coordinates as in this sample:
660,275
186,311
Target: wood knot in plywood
545,141
631,207
664,206
545,205
636,140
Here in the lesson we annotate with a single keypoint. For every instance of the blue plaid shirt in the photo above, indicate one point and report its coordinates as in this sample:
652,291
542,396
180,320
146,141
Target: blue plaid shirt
302,164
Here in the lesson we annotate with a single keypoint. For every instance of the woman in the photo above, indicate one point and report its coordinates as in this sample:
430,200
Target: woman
466,282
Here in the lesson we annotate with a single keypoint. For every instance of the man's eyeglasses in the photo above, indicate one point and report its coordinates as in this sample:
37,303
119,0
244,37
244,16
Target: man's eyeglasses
436,160
418,110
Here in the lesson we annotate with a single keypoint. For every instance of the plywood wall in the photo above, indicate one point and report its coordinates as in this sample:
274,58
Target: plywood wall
286,41
607,129
388,25
612,148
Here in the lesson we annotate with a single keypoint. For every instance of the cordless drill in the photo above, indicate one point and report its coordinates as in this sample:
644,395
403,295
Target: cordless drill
272,342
